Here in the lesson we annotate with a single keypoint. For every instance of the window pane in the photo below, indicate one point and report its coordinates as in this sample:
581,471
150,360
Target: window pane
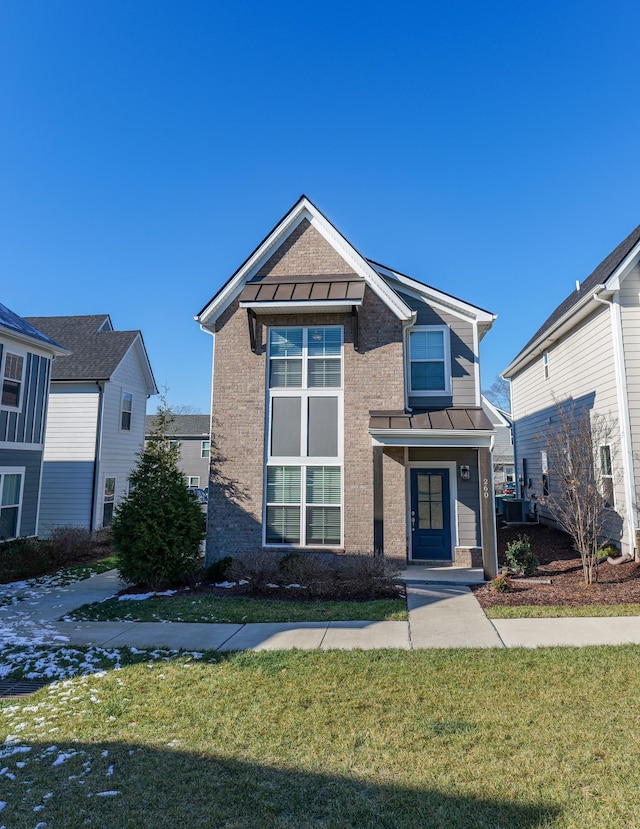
10,393
109,489
205,448
285,427
323,525
11,490
283,485
13,367
8,522
324,342
427,377
427,345
322,437
323,485
285,373
324,374
605,460
283,525
285,342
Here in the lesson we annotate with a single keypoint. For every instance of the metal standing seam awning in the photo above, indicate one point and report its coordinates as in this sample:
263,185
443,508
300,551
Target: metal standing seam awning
455,427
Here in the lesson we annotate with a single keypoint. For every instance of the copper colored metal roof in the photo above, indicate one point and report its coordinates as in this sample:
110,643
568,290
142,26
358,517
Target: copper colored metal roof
332,287
458,419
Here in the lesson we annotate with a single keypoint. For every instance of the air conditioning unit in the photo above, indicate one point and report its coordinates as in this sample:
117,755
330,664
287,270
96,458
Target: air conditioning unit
515,510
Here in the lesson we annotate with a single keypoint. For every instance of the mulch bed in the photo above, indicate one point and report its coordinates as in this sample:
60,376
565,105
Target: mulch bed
558,561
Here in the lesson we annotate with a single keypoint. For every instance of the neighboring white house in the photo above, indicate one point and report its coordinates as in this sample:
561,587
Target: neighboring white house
191,433
587,354
503,462
96,423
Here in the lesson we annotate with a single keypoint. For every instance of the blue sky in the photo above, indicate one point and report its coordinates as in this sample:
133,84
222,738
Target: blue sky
489,149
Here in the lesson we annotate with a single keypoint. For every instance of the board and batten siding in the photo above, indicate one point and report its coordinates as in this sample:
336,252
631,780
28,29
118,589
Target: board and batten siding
69,456
630,316
31,462
581,368
27,425
464,385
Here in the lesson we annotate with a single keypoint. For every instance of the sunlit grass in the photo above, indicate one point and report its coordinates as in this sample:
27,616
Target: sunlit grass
464,738
239,610
552,611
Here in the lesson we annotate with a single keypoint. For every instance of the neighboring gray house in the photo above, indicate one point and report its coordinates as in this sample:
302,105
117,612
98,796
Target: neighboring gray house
347,407
96,422
503,463
25,369
192,434
587,354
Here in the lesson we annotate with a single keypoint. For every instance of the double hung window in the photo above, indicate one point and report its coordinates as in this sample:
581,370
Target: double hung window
10,500
429,362
303,478
127,406
12,379
606,474
205,448
108,502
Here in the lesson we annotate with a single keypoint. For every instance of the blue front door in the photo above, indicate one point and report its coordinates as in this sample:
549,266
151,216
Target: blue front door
430,515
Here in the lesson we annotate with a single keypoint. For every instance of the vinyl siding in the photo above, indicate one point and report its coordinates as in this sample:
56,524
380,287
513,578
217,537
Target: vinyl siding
190,461
31,461
581,368
66,495
463,357
630,314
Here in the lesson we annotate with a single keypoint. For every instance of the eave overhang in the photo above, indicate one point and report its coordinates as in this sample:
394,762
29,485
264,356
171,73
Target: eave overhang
457,438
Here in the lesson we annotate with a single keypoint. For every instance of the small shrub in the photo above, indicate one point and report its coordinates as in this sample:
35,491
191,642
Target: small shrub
24,558
502,583
71,545
257,568
366,577
521,559
219,570
607,550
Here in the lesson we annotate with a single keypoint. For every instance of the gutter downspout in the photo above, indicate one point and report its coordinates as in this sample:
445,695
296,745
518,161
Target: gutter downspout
98,453
623,413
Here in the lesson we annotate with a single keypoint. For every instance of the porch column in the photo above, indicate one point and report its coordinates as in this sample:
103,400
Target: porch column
487,514
378,503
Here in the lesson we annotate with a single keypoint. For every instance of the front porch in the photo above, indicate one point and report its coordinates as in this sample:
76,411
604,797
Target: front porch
438,574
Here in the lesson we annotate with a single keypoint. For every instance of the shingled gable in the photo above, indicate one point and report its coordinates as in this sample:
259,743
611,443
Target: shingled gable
95,350
600,280
343,283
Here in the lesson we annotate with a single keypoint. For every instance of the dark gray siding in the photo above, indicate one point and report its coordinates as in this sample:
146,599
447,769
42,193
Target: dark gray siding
31,461
27,426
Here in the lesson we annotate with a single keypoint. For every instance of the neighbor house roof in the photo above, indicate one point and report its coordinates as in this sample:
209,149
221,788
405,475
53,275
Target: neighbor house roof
598,278
96,349
22,329
189,425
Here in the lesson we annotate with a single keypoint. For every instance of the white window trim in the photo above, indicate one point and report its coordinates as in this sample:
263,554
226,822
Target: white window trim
446,392
204,449
14,470
545,365
122,410
304,461
18,352
194,478
608,476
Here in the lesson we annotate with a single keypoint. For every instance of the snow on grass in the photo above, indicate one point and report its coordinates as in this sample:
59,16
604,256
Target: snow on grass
140,597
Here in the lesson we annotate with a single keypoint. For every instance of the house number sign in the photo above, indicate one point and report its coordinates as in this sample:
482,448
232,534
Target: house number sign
485,487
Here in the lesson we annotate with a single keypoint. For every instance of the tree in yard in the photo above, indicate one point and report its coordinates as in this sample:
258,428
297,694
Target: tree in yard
157,529
578,482
499,393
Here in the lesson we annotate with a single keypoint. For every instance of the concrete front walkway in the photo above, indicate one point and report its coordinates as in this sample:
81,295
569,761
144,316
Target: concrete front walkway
440,616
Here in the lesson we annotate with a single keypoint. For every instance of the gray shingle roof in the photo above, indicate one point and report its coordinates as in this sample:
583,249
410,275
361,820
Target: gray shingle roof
12,322
95,354
195,425
604,270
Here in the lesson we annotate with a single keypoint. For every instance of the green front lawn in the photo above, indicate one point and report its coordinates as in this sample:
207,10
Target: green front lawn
459,739
239,610
553,611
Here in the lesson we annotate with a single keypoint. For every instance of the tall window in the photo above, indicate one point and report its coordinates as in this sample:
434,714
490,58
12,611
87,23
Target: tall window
108,501
205,448
429,363
12,372
10,495
545,365
127,406
606,472
303,478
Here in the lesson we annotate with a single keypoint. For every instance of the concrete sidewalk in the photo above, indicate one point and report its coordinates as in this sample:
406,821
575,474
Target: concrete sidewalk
440,616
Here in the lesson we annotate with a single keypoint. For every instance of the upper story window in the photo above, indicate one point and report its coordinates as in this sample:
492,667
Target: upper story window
429,360
545,365
606,473
305,357
127,406
12,379
205,448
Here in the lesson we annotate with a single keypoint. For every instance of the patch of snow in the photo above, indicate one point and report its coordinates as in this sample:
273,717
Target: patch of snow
107,794
63,757
226,584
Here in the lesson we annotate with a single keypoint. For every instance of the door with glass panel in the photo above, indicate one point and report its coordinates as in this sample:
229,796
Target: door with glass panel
430,515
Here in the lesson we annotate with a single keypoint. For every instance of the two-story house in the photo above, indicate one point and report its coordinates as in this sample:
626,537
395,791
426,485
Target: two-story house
96,423
347,407
585,357
25,370
191,433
